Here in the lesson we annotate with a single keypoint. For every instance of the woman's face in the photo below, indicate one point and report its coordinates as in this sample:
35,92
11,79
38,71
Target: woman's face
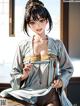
38,26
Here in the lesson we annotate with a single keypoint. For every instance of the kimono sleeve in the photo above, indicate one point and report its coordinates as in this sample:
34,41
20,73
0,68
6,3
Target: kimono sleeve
17,68
65,65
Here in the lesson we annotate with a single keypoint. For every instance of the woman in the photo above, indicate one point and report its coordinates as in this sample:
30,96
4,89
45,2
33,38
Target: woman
41,62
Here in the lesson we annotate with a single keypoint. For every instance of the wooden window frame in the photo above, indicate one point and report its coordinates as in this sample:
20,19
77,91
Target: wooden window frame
11,18
65,24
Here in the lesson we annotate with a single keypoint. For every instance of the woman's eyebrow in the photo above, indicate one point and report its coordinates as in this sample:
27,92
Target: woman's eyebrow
37,19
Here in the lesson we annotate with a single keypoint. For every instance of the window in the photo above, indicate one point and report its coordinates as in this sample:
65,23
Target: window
7,17
4,17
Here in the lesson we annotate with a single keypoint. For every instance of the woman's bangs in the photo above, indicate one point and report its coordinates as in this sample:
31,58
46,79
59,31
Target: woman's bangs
38,13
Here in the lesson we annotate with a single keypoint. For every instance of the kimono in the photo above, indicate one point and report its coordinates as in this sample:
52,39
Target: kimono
42,72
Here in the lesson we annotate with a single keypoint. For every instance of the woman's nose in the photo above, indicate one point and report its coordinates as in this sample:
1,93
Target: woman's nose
38,24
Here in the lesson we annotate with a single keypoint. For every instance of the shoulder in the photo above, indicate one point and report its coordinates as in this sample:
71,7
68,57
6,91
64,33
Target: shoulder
59,43
23,43
56,45
56,42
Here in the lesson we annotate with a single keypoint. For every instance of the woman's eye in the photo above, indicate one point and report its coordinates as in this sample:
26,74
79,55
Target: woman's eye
32,22
42,20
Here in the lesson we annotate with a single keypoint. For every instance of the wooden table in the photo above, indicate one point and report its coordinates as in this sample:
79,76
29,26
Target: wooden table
12,102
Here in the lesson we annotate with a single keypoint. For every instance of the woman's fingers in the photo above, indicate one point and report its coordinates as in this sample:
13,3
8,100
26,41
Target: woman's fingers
57,83
27,67
26,71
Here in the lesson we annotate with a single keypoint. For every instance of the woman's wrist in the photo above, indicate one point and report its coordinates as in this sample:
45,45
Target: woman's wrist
22,77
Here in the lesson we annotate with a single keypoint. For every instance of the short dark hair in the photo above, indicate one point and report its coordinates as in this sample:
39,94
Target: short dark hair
35,8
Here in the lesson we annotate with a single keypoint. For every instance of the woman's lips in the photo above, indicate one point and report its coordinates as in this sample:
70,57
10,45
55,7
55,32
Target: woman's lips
38,29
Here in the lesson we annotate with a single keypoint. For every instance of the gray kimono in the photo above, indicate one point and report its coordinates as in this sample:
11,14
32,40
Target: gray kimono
41,75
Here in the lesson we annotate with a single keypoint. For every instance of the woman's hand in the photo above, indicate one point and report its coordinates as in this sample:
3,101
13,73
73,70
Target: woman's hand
26,71
57,83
